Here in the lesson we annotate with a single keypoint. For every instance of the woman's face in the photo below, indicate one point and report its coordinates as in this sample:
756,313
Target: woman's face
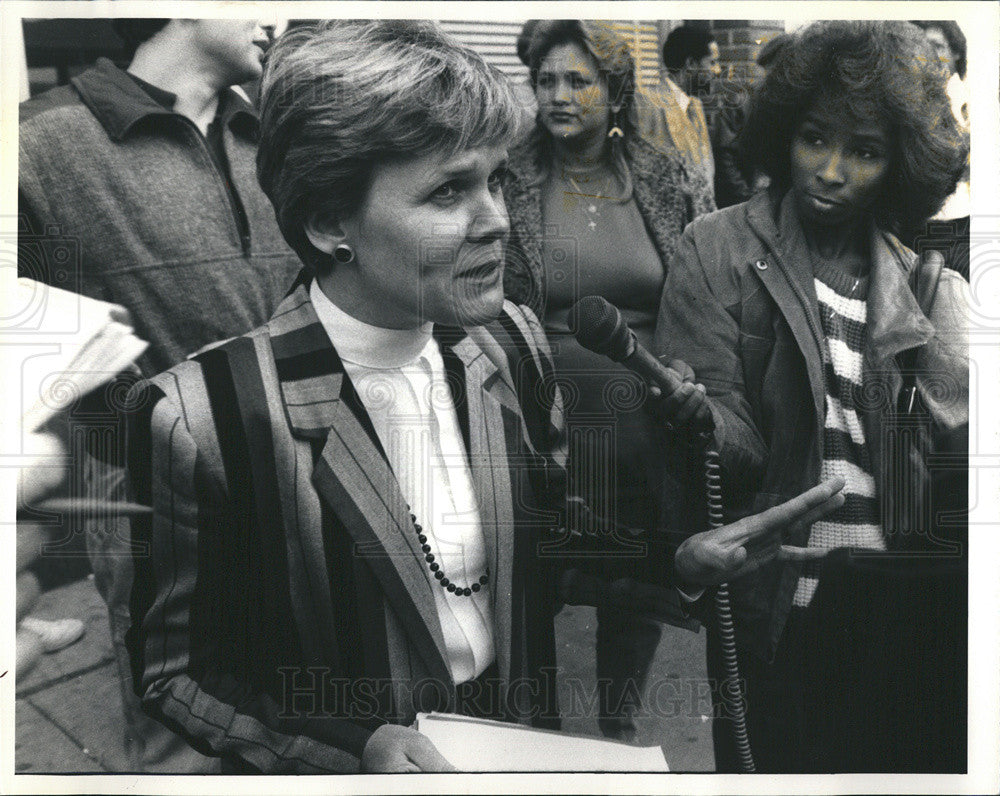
428,241
838,164
572,96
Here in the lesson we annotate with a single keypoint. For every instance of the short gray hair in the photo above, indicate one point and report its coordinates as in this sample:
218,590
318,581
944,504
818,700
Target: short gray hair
340,96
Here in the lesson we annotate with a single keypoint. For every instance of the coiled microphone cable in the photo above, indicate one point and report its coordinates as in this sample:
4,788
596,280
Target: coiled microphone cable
730,689
599,327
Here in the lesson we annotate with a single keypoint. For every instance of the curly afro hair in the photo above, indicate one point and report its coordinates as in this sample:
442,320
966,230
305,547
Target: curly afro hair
883,67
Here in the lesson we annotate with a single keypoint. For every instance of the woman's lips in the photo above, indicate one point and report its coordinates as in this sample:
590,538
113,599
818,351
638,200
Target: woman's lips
485,271
823,202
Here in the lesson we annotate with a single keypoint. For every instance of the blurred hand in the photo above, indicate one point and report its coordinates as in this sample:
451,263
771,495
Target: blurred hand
721,555
397,750
682,402
45,471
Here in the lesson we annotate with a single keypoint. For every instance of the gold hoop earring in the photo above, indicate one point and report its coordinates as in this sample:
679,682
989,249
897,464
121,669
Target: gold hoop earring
616,130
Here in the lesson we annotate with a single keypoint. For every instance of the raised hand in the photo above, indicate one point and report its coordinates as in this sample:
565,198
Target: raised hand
727,553
396,749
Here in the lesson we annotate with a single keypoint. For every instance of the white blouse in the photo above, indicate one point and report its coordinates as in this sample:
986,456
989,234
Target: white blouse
400,378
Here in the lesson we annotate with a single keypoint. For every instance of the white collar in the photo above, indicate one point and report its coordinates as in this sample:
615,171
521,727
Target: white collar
361,343
682,99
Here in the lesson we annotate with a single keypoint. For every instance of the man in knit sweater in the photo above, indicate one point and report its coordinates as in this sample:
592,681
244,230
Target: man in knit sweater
151,172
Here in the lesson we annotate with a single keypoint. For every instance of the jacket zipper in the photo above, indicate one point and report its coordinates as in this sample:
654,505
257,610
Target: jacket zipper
242,229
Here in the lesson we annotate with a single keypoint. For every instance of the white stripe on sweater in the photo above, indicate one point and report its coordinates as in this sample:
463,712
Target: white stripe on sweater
804,590
846,363
846,420
851,308
839,534
858,481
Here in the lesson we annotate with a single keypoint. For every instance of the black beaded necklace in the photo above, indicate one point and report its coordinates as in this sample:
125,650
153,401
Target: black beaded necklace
435,567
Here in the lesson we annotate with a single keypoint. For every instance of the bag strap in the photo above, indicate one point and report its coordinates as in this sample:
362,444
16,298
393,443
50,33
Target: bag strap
924,279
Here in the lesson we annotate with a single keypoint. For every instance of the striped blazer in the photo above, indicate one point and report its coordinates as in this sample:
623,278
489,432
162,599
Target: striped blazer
281,607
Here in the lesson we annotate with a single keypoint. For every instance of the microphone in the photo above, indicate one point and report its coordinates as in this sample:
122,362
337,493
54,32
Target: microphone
600,327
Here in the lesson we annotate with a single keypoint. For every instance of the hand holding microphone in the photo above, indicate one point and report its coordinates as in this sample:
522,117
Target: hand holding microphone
679,400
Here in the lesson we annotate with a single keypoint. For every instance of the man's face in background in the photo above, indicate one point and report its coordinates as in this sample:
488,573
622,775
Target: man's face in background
703,73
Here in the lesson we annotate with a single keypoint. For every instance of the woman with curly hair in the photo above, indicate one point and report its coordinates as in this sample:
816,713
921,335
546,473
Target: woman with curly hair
808,322
596,210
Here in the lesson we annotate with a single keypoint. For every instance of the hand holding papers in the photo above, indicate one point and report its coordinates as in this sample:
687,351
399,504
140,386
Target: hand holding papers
88,342
481,745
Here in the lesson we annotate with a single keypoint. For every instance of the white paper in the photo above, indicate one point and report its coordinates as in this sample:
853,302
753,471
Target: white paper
480,745
89,343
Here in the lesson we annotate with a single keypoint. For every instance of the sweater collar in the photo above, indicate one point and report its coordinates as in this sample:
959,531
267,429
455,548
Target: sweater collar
119,103
369,346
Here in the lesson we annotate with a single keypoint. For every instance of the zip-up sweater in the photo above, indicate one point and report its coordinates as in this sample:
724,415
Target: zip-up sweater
120,199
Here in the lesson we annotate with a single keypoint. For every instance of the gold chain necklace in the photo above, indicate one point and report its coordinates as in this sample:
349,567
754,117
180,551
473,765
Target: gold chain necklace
589,198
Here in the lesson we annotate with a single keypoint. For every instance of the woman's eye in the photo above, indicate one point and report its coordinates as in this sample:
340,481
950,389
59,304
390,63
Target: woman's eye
445,192
866,154
545,81
813,139
580,82
495,180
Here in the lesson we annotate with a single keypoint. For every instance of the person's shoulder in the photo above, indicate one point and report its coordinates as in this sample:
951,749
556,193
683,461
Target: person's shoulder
722,224
172,381
184,392
58,100
522,158
519,313
722,245
191,371
640,150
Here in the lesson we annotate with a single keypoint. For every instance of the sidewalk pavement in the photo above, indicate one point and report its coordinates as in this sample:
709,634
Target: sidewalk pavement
68,715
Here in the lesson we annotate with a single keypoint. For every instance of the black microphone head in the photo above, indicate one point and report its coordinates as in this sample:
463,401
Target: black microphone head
599,327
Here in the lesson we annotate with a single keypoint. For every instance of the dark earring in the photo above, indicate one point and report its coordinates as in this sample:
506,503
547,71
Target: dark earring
343,254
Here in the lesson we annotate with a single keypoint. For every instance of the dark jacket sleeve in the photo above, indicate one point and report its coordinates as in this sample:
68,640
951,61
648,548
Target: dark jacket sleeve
731,186
696,326
177,639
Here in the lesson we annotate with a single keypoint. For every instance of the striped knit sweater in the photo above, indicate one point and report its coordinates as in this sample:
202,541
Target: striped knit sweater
843,311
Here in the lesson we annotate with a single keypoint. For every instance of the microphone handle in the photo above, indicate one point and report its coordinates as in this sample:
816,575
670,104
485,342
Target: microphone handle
649,367
645,364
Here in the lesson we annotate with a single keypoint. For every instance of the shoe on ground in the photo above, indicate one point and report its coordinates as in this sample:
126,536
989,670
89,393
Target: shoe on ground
29,652
54,633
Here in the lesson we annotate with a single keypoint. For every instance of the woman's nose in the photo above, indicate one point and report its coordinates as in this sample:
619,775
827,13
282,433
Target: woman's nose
832,171
562,94
491,222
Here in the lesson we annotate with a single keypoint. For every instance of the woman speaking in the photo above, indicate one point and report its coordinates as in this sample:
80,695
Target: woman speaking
346,501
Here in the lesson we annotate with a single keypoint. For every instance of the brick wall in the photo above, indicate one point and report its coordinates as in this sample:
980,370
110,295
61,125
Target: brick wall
739,42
